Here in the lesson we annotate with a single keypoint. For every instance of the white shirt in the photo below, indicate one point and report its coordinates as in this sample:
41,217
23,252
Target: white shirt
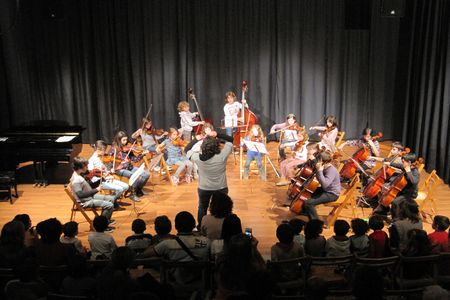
95,162
101,243
231,111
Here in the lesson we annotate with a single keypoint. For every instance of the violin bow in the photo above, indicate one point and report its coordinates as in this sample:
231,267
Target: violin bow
142,128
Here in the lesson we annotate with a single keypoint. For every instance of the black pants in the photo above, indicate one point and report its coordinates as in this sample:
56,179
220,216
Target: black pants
204,196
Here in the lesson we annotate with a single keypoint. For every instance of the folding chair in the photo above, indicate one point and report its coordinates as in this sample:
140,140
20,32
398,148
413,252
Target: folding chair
78,207
339,138
426,194
346,199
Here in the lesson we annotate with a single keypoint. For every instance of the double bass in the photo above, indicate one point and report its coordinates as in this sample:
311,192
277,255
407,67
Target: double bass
198,129
360,156
246,119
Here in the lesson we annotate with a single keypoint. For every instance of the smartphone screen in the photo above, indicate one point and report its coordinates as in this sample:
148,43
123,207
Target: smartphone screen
248,232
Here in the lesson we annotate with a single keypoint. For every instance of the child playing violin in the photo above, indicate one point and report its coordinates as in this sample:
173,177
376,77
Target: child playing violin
123,150
231,110
299,156
186,120
174,145
255,135
149,135
328,133
95,163
289,134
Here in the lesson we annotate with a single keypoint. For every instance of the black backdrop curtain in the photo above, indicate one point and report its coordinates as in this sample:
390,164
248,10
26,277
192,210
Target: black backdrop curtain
426,73
101,63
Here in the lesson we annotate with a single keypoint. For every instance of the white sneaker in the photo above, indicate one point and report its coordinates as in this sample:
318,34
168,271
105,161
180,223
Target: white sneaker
157,169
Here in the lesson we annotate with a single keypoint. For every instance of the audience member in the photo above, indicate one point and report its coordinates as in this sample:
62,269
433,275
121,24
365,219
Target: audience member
339,243
70,231
378,239
163,227
102,244
31,236
418,244
314,241
359,242
230,227
12,247
439,238
408,219
140,240
297,225
78,282
220,206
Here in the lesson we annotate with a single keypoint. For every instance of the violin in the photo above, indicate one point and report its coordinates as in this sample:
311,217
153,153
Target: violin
179,142
93,173
110,158
154,131
327,130
137,150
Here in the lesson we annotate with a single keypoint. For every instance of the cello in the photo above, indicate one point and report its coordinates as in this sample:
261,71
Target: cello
246,119
198,129
360,156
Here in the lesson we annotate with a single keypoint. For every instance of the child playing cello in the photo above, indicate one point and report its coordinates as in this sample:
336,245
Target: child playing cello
299,156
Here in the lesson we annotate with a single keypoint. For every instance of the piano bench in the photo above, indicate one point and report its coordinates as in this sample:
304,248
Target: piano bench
7,183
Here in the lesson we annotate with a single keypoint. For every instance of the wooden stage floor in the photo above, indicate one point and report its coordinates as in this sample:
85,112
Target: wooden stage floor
253,202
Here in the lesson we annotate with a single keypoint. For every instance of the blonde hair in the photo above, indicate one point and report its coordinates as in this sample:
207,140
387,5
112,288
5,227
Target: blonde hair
260,132
182,105
230,94
207,125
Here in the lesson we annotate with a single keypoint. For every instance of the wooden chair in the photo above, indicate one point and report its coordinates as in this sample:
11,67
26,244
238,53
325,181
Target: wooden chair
345,200
339,138
290,275
78,207
426,267
200,285
53,275
426,194
333,270
253,167
386,266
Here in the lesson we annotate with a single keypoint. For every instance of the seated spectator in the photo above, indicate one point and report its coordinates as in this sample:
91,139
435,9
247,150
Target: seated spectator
78,282
230,227
378,239
439,238
31,236
70,231
286,249
359,242
298,225
139,241
408,219
49,250
28,286
418,244
12,247
339,244
102,244
172,249
239,274
163,227
314,241
220,206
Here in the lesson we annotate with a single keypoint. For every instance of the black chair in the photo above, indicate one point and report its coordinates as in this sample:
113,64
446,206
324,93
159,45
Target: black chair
443,276
8,183
53,276
416,272
334,270
386,266
290,275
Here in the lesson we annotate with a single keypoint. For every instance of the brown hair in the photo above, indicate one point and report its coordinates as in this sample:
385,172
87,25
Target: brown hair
100,145
207,125
326,156
260,132
145,121
228,94
332,119
119,135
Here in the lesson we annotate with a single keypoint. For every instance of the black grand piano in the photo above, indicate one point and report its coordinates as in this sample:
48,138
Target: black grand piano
42,142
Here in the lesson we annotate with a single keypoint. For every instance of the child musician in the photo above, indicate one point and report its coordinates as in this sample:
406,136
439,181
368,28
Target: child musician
149,135
329,133
299,156
231,110
289,135
174,145
96,163
186,120
255,135
329,179
121,151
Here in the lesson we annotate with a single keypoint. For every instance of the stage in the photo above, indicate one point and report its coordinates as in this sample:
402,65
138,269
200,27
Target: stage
256,202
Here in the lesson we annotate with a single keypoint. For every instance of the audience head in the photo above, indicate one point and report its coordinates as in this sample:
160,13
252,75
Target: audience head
285,233
184,222
297,225
409,209
368,283
163,226
210,146
231,226
70,229
100,223
418,243
359,227
138,226
313,229
221,205
50,230
441,223
240,247
341,227
122,258
376,222
13,234
25,219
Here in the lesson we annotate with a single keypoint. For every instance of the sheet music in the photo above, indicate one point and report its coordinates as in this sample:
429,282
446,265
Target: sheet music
256,146
3,139
65,138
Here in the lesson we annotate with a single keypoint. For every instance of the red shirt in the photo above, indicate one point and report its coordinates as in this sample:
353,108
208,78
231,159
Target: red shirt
439,241
378,244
